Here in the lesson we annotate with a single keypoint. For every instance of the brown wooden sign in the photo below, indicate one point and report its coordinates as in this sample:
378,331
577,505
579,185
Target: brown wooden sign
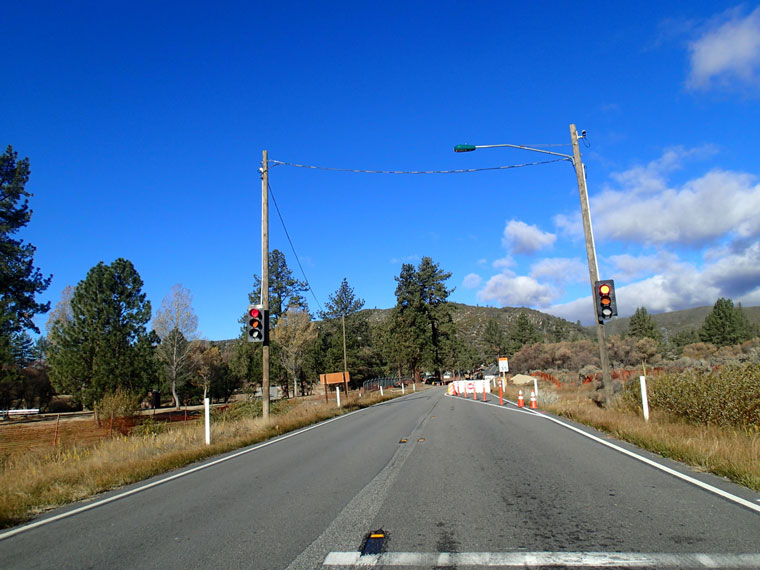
335,378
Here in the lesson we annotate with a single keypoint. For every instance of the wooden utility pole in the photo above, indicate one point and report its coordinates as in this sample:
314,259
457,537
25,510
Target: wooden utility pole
265,284
593,268
345,359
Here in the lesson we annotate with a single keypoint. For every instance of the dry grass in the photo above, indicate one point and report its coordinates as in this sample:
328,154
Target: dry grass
33,482
733,453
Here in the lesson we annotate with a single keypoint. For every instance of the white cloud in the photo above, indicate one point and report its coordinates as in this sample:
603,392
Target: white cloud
503,263
677,285
407,259
698,213
560,270
569,225
519,237
516,291
472,281
629,267
728,53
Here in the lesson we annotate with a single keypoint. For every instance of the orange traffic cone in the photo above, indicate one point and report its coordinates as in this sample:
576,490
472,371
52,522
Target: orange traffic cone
520,400
533,403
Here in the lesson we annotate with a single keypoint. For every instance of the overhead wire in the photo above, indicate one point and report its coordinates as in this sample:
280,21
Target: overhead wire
458,171
292,247
356,170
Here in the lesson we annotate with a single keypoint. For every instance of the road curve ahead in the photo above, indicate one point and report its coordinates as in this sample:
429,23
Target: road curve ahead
423,481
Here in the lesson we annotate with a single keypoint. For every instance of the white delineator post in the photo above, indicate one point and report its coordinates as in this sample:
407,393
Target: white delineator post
381,389
206,403
337,394
644,398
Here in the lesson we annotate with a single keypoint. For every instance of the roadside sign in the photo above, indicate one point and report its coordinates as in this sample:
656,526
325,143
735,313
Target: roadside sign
503,364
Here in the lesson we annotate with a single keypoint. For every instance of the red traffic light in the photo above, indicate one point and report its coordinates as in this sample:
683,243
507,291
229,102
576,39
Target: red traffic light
604,289
257,323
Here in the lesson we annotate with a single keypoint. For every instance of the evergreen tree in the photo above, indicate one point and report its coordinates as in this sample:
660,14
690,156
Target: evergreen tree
642,325
494,339
726,325
20,281
343,310
105,346
284,290
522,332
421,328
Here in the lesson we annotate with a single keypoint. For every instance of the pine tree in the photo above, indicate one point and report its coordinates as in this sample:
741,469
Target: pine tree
642,325
284,290
20,281
421,328
105,345
726,325
494,339
342,309
522,332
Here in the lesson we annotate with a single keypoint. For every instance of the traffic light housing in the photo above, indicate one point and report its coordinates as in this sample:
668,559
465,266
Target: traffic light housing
604,296
258,321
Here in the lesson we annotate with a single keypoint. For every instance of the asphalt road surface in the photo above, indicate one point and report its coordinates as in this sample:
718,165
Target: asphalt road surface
440,481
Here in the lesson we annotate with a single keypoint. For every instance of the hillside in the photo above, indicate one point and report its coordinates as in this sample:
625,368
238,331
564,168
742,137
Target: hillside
471,321
675,321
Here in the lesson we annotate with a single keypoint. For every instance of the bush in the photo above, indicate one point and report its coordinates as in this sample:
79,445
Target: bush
118,404
726,397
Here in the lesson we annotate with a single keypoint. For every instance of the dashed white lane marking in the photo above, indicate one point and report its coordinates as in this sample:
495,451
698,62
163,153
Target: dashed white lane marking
542,559
696,482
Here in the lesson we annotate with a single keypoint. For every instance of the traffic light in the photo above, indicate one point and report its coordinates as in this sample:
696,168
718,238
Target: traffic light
257,323
604,295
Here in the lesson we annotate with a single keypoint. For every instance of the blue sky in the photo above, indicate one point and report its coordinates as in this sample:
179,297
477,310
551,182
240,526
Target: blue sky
145,124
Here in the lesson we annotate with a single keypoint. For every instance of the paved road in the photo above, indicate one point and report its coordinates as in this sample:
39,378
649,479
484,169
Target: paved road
474,485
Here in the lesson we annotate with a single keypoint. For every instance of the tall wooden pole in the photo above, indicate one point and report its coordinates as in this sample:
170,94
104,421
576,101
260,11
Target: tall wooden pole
345,359
593,268
265,283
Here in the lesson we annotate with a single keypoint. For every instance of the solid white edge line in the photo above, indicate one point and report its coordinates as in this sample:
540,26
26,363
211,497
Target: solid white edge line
532,559
678,474
118,496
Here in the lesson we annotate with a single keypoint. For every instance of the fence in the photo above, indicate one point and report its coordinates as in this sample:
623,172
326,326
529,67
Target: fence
377,383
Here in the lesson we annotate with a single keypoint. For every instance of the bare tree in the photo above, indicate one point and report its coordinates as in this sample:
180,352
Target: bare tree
176,325
293,333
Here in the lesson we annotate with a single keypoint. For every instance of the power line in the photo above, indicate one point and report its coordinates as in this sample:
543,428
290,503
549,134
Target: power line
458,171
276,207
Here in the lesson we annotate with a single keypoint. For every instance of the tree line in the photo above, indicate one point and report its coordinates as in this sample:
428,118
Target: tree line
102,336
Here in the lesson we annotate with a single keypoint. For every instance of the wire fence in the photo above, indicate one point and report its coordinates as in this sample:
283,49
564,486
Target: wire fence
385,383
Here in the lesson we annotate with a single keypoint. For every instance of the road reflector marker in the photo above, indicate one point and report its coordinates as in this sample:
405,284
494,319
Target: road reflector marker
374,543
402,440
421,440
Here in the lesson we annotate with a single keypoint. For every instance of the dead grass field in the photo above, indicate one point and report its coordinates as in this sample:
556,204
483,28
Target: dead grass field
36,475
732,453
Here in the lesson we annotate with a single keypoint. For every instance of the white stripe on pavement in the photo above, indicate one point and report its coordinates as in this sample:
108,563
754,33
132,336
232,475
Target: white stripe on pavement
542,559
706,486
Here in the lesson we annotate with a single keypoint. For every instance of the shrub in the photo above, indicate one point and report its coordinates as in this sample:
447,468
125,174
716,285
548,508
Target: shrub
118,404
727,397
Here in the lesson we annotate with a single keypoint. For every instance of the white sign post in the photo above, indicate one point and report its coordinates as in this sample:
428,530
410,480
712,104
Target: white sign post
644,398
206,403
